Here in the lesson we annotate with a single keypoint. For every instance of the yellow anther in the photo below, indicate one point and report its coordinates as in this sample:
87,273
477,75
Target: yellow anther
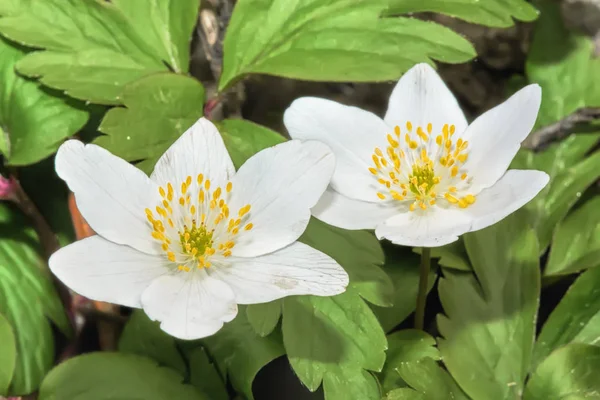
188,181
470,198
373,171
165,246
183,188
451,198
376,161
452,189
217,193
199,179
383,162
193,209
207,184
249,226
181,201
438,140
162,192
412,207
397,130
448,144
213,204
462,203
452,128
423,206
463,157
378,152
413,145
454,171
235,231
409,126
171,256
226,253
429,128
381,195
148,212
165,203
392,142
228,187
422,134
463,176
171,224
201,196
432,202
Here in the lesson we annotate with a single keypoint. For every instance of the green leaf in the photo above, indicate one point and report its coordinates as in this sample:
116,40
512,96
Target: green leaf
428,378
205,377
404,272
92,48
576,243
240,353
158,109
350,383
359,253
563,63
405,394
571,172
333,40
575,319
489,325
496,13
453,255
34,121
100,376
336,335
243,139
569,373
144,337
264,317
8,355
27,299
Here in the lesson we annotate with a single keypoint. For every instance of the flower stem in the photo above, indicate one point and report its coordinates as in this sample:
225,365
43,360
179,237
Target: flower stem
423,283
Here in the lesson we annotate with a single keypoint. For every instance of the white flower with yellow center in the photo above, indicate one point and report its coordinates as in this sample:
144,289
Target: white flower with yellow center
197,238
421,176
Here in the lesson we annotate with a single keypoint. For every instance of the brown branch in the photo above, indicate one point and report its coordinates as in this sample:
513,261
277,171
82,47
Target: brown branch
560,129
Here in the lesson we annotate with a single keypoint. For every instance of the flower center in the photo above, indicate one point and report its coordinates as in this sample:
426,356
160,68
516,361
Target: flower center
423,170
194,225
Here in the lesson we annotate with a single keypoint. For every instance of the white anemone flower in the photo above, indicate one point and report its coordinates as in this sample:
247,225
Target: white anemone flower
421,176
196,238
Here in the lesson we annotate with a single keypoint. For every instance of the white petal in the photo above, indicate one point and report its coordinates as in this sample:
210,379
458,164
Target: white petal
110,193
351,133
433,227
105,271
297,269
282,184
200,150
495,137
343,212
421,97
190,305
515,189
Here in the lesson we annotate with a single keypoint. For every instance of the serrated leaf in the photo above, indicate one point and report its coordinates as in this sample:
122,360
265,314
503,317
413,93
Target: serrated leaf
27,299
240,353
329,335
489,325
34,120
429,379
99,376
496,13
570,372
453,255
264,317
204,376
157,110
575,319
144,337
333,40
403,269
8,355
563,63
92,48
576,243
571,172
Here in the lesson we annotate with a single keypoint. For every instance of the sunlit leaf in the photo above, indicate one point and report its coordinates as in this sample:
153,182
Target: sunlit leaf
8,355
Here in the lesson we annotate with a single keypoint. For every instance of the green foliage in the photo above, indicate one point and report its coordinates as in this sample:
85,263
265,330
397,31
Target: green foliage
92,48
27,299
571,172
453,255
8,355
562,62
264,317
205,377
489,325
570,372
576,319
106,375
144,337
333,40
496,13
34,120
576,242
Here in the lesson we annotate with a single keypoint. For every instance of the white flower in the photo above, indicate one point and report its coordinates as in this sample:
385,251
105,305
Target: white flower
421,176
197,238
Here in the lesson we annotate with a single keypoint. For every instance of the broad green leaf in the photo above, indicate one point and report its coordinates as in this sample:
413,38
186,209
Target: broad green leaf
332,40
403,269
405,394
571,172
359,253
453,255
569,373
8,355
99,376
496,13
563,63
240,352
144,337
576,243
34,120
489,322
157,110
350,383
92,48
243,139
429,379
575,319
336,335
205,377
264,317
27,299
